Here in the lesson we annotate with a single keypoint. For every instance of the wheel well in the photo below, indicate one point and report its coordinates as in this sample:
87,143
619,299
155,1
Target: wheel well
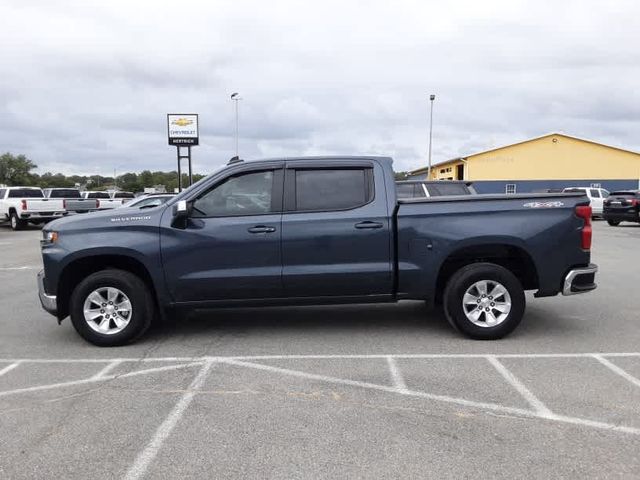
79,269
514,259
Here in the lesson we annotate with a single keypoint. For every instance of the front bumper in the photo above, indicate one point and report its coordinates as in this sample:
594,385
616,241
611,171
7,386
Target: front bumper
49,302
580,280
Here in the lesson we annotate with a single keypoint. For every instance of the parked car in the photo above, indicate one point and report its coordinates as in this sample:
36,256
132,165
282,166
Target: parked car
596,197
105,202
72,200
314,231
22,205
148,201
622,206
124,197
426,189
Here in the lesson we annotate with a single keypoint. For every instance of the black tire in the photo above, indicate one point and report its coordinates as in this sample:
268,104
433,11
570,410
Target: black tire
15,221
142,311
467,276
613,223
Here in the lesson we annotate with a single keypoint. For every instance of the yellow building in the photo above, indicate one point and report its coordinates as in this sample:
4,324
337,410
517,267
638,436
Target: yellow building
552,161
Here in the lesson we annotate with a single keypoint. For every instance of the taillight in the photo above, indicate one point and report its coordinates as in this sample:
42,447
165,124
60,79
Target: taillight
97,203
633,202
64,204
584,212
23,204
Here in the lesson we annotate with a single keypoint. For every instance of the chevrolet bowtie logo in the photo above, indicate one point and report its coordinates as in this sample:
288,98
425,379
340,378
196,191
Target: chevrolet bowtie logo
182,122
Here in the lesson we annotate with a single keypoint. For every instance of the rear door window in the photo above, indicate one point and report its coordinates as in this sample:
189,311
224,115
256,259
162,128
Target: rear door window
332,189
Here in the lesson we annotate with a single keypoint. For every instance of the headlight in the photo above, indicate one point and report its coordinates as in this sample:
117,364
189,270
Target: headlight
49,237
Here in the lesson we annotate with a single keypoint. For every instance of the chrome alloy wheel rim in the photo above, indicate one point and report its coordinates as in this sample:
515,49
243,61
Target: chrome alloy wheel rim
107,310
486,303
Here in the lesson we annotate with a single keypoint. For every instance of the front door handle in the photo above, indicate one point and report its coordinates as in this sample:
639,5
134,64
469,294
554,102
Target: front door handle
368,224
261,229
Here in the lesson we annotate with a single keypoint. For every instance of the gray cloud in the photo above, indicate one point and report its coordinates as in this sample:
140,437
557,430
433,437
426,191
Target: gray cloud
85,86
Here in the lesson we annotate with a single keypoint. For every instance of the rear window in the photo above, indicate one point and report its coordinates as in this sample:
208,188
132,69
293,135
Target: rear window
26,193
409,190
124,195
70,193
622,194
98,195
445,188
575,190
333,189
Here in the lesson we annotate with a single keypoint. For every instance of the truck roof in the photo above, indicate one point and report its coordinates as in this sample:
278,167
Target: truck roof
320,158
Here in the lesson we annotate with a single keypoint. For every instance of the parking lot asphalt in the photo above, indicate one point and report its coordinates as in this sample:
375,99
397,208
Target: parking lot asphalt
362,391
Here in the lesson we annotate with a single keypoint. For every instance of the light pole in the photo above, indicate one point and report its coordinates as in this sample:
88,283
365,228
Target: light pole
236,98
431,98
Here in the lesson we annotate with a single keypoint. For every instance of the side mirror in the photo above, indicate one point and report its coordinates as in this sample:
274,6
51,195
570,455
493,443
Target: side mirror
181,211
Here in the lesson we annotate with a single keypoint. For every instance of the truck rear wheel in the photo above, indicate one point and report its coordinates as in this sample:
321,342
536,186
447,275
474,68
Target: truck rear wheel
16,222
111,308
613,223
484,301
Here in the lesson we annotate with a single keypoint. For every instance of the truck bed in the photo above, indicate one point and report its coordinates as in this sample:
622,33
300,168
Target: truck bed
537,231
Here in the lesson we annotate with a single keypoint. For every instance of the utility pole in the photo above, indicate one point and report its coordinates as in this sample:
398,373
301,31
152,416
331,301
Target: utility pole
236,98
431,98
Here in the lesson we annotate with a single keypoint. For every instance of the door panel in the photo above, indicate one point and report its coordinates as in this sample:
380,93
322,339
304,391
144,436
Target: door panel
221,258
230,246
336,253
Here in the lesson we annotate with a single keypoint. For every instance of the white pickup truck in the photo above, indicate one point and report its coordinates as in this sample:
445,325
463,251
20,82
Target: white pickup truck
20,205
72,199
105,202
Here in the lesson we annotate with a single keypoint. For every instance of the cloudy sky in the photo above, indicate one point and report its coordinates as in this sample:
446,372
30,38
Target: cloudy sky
85,86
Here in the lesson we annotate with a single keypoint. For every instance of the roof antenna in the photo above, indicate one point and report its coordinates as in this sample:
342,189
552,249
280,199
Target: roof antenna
235,160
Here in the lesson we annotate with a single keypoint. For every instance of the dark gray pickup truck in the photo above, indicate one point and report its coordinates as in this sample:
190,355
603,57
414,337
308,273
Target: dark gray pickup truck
314,231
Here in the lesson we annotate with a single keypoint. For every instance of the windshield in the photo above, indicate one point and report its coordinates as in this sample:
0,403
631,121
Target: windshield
124,195
187,190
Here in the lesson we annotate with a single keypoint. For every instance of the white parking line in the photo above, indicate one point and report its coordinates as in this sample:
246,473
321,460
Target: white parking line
616,369
19,268
139,468
319,357
8,368
93,379
384,388
540,408
110,366
442,398
396,376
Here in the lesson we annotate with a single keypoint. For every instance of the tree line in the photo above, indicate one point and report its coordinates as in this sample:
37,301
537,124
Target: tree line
19,170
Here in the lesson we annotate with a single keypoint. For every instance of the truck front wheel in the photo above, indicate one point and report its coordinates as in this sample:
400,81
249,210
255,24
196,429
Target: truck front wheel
484,301
111,308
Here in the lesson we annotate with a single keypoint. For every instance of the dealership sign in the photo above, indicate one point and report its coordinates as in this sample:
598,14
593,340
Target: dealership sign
182,129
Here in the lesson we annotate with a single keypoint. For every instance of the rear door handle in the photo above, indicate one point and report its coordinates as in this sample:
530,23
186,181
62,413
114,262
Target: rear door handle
261,229
368,224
